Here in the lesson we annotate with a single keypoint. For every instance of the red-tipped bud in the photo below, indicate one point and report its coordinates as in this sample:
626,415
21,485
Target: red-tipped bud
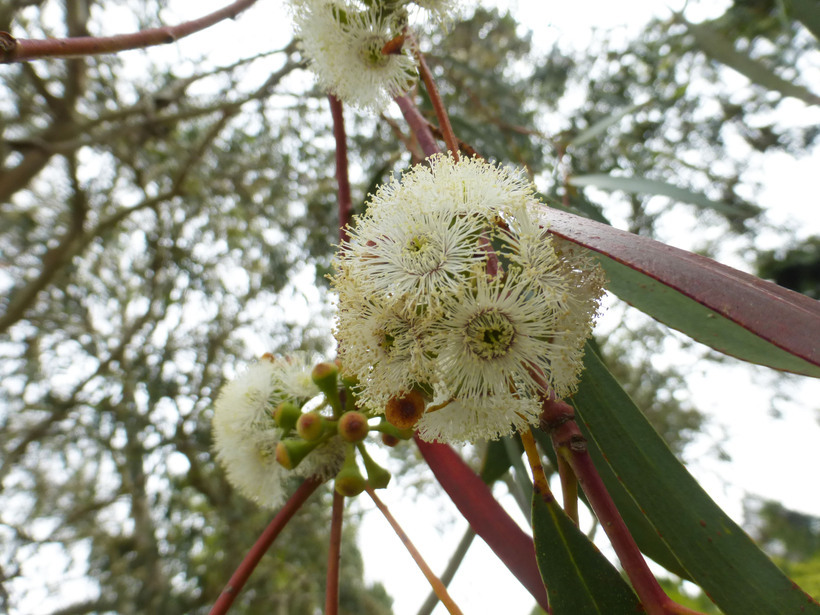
310,426
353,426
325,376
405,411
290,453
388,439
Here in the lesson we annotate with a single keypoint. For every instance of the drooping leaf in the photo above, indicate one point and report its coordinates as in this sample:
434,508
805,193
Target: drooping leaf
602,125
718,48
807,12
496,462
581,580
486,516
726,309
718,555
644,533
640,185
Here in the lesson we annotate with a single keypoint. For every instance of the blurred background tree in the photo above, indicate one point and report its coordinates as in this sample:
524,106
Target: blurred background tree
165,221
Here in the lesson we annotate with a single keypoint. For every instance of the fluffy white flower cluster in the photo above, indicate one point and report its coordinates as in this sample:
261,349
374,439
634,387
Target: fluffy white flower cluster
246,435
355,48
448,286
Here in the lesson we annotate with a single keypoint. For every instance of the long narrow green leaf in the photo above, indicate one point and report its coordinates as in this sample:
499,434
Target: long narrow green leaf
718,555
718,48
640,185
603,125
644,533
580,579
807,12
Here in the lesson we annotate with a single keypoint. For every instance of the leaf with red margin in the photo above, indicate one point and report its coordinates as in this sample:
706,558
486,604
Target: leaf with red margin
729,310
486,516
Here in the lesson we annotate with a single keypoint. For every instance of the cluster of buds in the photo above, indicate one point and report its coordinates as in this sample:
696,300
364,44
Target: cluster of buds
287,417
458,312
357,49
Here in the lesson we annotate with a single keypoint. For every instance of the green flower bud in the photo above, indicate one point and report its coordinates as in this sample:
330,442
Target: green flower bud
310,426
289,453
349,480
353,426
377,476
325,376
286,415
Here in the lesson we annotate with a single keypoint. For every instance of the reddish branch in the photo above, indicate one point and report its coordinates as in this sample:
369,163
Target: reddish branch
22,50
342,178
237,581
334,555
418,125
558,419
438,104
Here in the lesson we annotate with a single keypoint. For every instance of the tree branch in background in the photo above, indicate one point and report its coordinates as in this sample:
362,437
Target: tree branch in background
23,50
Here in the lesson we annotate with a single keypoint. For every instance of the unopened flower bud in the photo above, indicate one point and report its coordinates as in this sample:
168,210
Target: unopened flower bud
290,453
310,426
349,480
325,376
353,426
377,476
286,414
405,411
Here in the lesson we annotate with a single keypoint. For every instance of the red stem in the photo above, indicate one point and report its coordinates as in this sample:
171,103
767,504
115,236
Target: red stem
486,516
438,105
342,179
237,581
558,419
418,125
334,555
22,50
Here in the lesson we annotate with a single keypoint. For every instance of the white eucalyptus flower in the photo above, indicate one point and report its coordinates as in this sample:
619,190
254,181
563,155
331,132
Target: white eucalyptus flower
344,41
385,346
480,418
449,285
245,434
415,255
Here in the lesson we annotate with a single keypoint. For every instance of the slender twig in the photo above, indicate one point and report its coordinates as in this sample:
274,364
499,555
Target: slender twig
539,477
434,581
558,419
438,104
237,581
450,570
334,555
342,178
23,50
569,489
418,125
